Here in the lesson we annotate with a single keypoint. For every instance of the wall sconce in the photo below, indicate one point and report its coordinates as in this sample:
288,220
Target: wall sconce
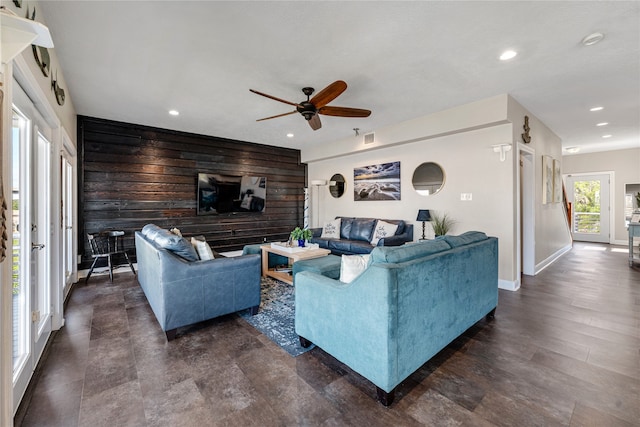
502,149
423,215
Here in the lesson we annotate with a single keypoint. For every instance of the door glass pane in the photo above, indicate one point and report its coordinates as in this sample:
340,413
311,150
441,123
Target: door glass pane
20,291
41,269
586,206
67,212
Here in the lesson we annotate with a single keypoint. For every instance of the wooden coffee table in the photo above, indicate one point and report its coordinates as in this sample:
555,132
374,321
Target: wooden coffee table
293,257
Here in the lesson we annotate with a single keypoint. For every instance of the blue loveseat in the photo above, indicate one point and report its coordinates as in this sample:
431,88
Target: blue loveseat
408,304
356,234
182,291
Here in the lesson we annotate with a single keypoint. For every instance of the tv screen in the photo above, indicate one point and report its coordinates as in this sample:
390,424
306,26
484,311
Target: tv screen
227,193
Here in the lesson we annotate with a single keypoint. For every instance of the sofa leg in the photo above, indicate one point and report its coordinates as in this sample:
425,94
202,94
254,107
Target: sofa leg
491,315
171,334
254,310
305,343
386,398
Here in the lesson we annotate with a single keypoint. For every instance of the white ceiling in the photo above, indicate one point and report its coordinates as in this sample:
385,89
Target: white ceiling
134,61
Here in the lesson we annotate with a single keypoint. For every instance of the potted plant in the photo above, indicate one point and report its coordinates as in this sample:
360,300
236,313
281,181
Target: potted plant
441,224
301,235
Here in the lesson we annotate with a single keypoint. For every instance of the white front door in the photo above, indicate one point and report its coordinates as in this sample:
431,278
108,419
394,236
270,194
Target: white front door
31,242
589,197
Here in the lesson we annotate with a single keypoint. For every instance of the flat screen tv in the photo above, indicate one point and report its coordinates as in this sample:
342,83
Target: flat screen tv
218,194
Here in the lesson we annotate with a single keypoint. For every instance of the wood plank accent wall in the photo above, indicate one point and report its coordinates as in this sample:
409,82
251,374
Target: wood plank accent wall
131,175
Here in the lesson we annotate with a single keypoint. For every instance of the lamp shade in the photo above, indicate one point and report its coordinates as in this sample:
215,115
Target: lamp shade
423,215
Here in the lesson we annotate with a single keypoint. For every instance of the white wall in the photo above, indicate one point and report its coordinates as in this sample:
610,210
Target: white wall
626,167
552,233
468,171
460,140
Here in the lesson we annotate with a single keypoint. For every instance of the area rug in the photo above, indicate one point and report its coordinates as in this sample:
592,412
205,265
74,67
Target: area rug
276,316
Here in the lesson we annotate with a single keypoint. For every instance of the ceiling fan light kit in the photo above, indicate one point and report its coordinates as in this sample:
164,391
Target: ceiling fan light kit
313,107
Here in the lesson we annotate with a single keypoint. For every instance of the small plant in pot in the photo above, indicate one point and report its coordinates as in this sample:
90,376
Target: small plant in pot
301,235
441,224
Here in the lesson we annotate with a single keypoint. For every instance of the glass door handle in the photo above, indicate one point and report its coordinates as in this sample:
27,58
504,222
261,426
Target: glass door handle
38,246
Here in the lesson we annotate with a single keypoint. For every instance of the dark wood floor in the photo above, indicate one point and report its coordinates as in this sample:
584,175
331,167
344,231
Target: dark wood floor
564,350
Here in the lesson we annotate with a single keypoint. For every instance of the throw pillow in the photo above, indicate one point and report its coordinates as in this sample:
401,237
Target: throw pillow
331,230
352,266
362,229
150,231
202,247
176,244
383,229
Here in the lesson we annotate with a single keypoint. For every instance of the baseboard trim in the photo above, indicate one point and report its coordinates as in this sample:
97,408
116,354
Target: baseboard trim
551,259
509,285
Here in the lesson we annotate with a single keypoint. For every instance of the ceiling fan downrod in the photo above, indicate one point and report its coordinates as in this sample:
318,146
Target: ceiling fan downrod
306,108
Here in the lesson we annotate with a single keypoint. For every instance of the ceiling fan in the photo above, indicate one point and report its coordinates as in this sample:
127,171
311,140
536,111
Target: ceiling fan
312,107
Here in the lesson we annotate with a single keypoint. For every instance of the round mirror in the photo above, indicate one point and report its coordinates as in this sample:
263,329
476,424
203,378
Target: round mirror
337,185
428,179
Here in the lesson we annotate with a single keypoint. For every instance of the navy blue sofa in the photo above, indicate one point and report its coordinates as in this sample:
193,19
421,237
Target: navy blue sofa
356,233
182,291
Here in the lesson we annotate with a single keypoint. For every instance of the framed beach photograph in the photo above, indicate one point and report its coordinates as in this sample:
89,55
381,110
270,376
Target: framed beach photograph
557,182
547,179
377,182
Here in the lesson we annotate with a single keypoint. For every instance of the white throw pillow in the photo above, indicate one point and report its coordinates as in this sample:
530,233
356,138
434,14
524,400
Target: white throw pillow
202,247
352,266
383,229
331,229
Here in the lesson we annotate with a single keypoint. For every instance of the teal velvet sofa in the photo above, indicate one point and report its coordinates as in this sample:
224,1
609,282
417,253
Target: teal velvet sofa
408,304
182,290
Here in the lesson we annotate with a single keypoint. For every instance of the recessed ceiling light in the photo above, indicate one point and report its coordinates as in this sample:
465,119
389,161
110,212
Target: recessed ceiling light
508,54
592,39
596,109
572,149
602,124
289,135
174,112
607,136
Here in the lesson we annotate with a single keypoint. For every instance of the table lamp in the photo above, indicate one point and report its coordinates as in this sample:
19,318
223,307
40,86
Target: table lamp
423,215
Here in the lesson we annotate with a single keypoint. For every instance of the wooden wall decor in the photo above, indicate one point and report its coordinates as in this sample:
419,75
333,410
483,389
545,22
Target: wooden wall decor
57,90
4,237
525,136
131,175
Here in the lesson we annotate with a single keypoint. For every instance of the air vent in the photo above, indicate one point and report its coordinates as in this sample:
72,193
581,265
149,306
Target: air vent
369,138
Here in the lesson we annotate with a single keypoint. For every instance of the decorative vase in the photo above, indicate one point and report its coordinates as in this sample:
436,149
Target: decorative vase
301,243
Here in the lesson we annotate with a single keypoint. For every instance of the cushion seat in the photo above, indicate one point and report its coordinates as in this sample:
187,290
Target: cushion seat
328,266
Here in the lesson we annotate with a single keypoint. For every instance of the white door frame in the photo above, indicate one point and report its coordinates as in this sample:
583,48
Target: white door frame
69,154
526,219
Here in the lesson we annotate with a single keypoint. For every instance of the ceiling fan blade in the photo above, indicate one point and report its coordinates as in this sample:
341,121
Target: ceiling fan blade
344,112
279,115
314,122
328,94
274,98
